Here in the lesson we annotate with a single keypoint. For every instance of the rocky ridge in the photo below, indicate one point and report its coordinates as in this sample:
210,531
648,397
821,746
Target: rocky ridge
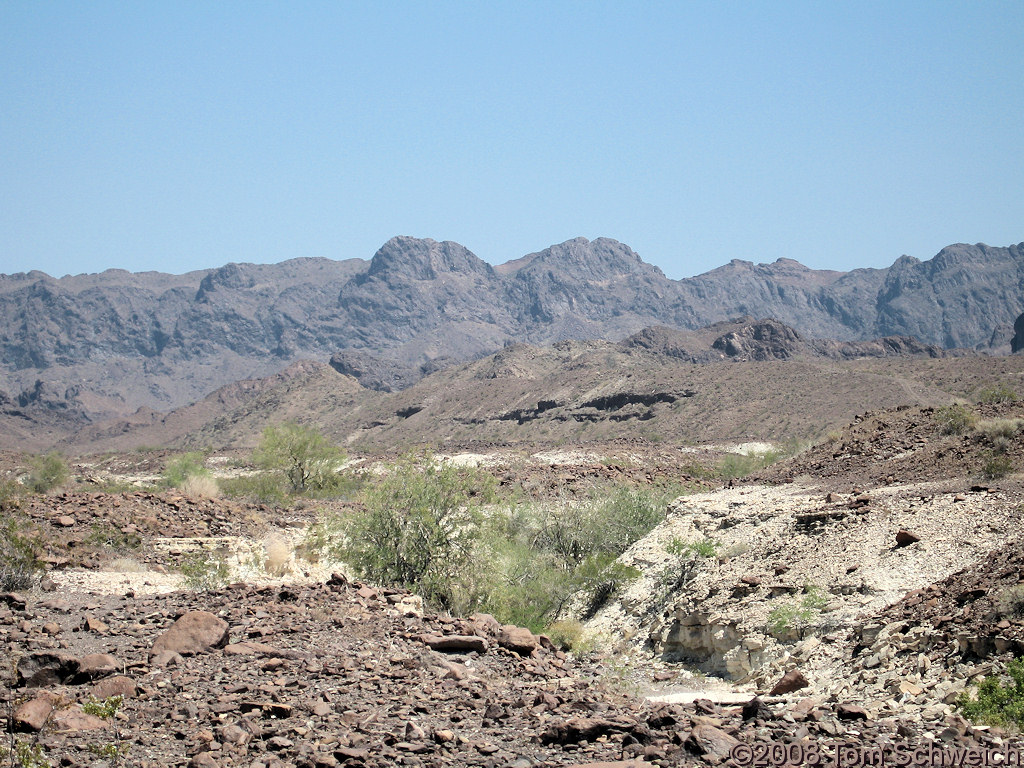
165,340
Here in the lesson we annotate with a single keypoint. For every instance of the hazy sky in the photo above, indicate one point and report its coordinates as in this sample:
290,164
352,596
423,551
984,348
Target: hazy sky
178,135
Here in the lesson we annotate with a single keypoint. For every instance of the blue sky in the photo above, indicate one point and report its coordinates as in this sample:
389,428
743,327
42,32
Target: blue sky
178,135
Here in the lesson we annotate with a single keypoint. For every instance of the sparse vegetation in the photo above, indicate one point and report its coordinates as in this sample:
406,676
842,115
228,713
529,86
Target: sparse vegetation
995,702
201,487
302,455
796,616
954,419
997,393
205,571
26,755
263,487
183,468
107,709
569,635
995,466
418,527
19,554
46,472
702,548
104,535
1010,602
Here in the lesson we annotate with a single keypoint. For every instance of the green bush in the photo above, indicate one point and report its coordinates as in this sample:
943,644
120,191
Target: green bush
46,472
995,466
997,393
19,555
182,467
954,419
304,456
205,571
702,548
418,527
797,615
263,487
997,703
1010,602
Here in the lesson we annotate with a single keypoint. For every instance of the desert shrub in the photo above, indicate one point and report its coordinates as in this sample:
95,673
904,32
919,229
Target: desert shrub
19,555
105,535
277,555
996,702
418,527
995,466
205,571
201,487
997,393
10,494
995,428
797,615
569,635
702,548
46,472
738,465
954,419
25,755
1010,602
263,487
304,456
182,468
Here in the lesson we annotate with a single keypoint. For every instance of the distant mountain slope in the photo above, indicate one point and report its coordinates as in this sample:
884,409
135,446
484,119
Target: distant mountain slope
734,380
127,340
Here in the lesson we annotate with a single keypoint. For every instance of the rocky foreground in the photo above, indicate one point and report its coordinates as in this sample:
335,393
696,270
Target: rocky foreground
341,673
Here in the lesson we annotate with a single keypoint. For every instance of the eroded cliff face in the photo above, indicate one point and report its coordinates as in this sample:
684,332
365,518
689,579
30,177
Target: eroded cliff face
164,340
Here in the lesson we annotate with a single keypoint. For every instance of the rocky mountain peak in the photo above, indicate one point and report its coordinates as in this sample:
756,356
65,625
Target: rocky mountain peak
599,259
230,276
424,259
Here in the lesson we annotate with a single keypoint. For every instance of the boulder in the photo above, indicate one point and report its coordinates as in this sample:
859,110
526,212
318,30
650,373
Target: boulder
195,632
455,643
793,680
518,640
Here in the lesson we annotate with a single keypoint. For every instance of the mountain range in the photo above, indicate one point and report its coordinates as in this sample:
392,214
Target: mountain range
102,345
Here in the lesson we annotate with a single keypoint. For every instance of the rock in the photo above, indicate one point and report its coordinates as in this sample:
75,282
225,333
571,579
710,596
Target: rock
46,668
166,659
92,624
710,741
203,760
755,709
518,639
455,643
195,632
114,686
793,680
851,712
910,688
905,538
233,734
13,600
32,715
584,729
74,719
94,666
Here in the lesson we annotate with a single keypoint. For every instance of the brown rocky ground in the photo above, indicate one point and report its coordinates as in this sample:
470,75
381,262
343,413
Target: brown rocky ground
909,445
341,673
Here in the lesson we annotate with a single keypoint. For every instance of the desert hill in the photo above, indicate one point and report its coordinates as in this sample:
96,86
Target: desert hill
736,380
107,344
